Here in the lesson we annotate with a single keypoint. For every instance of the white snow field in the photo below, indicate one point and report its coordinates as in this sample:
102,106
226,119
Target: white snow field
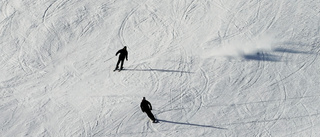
209,67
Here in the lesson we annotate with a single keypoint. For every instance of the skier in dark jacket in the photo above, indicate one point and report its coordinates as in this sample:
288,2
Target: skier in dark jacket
123,55
146,107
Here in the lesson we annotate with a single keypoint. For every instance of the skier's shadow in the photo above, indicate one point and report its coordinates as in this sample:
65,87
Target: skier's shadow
159,70
190,124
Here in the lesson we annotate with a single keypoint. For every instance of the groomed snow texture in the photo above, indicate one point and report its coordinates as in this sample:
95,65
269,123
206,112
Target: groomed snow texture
214,68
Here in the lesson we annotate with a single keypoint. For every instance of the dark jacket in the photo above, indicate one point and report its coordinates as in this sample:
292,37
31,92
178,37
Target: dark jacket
123,54
145,106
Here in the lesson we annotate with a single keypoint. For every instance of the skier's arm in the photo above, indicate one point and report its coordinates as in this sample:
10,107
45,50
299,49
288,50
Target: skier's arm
150,105
127,57
141,108
117,52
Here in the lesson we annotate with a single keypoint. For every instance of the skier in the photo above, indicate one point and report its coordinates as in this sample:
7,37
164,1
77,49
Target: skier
146,107
123,55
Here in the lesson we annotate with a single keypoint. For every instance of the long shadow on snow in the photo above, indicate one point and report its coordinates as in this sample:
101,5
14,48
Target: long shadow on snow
160,70
293,51
269,57
262,57
190,124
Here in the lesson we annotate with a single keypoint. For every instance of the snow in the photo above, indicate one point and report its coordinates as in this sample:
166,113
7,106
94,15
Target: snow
209,68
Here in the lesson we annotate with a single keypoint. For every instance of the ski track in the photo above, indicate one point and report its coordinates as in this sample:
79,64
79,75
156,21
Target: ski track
123,25
57,80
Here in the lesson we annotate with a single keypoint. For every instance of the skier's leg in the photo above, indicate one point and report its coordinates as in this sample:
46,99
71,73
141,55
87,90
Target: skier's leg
118,64
121,66
150,115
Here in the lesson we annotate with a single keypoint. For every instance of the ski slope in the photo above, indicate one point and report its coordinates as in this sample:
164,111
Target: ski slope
208,67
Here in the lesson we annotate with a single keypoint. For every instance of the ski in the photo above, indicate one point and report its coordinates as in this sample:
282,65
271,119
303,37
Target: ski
118,70
155,121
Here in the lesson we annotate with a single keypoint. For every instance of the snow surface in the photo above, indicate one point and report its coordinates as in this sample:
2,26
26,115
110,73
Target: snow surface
209,67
